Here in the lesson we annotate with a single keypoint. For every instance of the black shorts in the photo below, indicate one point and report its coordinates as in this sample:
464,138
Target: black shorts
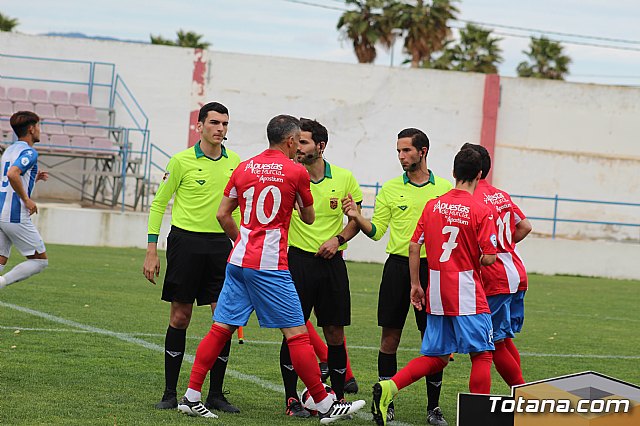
394,298
196,264
323,285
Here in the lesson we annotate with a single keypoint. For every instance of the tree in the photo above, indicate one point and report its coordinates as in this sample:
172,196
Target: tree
365,26
183,39
7,24
477,51
425,26
546,60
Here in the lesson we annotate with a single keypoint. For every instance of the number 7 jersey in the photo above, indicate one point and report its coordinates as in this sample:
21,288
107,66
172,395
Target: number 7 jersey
267,187
456,230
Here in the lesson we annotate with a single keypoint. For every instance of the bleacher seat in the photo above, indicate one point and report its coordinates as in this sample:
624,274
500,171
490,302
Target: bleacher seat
80,142
87,114
44,138
53,128
45,111
96,132
73,128
79,99
6,132
102,143
6,108
22,106
58,97
61,142
38,96
66,112
3,93
17,94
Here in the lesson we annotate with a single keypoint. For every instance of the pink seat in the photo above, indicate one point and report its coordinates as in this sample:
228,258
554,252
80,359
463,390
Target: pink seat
87,114
53,128
17,94
6,108
79,142
3,93
73,128
96,132
22,106
102,143
58,97
44,138
79,99
38,96
45,111
66,112
6,125
60,141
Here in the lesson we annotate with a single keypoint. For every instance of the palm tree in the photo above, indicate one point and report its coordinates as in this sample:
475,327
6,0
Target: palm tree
183,39
546,60
477,51
425,26
7,24
364,26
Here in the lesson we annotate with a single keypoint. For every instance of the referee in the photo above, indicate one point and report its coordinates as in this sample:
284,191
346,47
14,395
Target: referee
197,247
398,206
315,260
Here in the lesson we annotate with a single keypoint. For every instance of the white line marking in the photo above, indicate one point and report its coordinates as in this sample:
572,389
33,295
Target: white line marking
369,348
131,339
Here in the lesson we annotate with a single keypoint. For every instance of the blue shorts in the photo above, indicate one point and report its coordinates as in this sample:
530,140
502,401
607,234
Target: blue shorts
517,310
500,305
271,294
462,334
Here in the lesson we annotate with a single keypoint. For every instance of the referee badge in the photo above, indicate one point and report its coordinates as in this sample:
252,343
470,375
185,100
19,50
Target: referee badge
333,203
166,176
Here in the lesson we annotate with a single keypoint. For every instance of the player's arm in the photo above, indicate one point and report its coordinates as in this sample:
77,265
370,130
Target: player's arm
377,226
13,175
487,239
415,246
329,248
304,199
168,186
487,259
225,217
523,226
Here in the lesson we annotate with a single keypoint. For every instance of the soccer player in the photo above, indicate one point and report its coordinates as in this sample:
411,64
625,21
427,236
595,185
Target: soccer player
197,247
315,260
459,236
505,282
398,206
19,175
267,188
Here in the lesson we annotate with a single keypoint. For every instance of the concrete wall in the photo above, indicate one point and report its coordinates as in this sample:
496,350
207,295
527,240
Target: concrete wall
541,255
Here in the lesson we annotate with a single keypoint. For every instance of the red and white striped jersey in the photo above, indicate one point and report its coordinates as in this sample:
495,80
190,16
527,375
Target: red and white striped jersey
267,187
508,274
456,231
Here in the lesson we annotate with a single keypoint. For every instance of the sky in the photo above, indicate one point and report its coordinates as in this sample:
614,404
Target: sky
289,28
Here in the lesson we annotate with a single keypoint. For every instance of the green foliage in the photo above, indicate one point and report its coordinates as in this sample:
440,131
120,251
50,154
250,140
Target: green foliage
477,51
8,24
364,26
183,39
545,60
59,373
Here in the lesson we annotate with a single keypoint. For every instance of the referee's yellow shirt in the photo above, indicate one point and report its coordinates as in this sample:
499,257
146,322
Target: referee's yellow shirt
327,195
399,205
198,183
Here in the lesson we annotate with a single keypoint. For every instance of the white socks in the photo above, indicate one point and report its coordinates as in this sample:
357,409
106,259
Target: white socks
193,395
24,270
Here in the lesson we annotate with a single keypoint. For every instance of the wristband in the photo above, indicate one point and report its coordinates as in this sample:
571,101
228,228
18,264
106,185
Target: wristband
341,239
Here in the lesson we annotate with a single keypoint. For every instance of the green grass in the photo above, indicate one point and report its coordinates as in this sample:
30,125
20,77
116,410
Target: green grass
61,374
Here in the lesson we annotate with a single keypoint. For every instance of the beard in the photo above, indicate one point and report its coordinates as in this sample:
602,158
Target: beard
308,159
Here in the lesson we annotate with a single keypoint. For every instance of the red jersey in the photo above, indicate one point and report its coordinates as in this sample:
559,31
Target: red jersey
508,274
456,230
267,187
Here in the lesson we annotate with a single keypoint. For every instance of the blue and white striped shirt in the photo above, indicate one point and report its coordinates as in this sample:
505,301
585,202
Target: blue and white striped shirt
21,155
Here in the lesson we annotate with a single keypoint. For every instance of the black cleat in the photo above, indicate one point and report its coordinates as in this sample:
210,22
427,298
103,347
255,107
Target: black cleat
168,402
295,409
220,403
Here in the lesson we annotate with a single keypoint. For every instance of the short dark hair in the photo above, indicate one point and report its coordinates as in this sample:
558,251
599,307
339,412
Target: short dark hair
318,131
211,106
281,127
467,165
21,120
418,138
484,155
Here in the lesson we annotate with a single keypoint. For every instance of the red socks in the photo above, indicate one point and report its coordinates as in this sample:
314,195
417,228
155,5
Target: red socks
506,365
418,368
513,350
207,353
480,379
304,362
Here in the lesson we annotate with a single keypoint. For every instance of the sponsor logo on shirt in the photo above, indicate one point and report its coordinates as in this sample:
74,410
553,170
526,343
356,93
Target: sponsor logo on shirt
454,213
200,181
403,207
498,200
264,168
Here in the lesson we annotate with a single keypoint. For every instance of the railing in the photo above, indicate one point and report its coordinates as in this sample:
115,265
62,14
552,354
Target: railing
153,163
556,218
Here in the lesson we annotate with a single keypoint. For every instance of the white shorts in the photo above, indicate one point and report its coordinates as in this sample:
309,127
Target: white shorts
24,236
